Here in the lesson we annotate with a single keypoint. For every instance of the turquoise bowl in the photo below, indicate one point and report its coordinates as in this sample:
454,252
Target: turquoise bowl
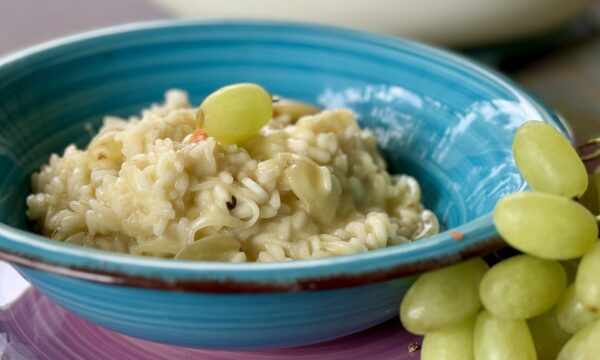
436,116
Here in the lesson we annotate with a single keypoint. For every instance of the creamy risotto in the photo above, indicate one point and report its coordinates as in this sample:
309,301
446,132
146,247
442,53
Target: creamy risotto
307,185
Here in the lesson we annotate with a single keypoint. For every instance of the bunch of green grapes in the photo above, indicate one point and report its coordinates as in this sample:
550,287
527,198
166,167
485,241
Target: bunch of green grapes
541,304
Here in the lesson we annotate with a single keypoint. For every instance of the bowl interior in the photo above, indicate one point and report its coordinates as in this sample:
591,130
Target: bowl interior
436,117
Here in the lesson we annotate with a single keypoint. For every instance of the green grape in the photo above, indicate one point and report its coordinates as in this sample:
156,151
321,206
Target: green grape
453,343
587,283
545,225
522,287
591,197
442,298
592,343
547,160
497,338
575,348
235,113
572,316
547,334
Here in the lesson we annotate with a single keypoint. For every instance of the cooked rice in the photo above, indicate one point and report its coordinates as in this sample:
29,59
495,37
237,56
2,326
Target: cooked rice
144,187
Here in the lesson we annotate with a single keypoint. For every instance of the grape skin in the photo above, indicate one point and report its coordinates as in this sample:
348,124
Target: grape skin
547,160
443,298
522,287
235,113
587,282
544,225
575,348
503,339
452,343
592,343
572,315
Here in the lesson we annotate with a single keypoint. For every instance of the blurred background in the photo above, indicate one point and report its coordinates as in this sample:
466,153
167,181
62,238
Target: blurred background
551,47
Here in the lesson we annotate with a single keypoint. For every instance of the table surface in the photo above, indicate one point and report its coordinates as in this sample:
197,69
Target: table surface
561,68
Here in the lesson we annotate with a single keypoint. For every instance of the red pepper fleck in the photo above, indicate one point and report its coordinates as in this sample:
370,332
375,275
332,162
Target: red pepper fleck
198,135
457,235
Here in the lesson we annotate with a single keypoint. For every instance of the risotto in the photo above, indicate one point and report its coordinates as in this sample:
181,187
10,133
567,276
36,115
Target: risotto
307,185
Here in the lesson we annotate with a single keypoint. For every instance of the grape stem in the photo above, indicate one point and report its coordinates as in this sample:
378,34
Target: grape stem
592,156
595,154
595,141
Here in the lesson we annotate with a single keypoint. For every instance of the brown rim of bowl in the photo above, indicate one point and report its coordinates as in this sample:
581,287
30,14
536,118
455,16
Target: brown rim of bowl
227,287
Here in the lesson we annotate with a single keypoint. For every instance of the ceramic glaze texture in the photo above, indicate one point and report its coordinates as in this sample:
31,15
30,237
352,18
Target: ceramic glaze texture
437,117
55,333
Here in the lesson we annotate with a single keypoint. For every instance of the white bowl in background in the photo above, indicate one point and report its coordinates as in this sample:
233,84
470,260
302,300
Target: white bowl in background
453,23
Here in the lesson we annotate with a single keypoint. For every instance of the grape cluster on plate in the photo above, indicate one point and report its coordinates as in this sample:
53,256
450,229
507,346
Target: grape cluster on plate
541,304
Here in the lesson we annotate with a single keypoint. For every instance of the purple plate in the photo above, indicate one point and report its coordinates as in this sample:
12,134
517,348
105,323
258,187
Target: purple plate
33,327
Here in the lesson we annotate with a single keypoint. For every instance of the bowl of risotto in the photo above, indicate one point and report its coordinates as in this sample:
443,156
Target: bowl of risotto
247,184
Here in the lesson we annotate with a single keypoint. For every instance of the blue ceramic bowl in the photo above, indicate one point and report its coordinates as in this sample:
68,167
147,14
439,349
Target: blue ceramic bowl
437,116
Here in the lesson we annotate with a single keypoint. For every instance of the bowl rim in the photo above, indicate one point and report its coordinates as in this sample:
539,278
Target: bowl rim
23,248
